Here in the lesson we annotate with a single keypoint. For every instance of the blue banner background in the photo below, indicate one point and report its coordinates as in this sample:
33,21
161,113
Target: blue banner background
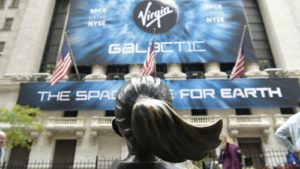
187,94
116,27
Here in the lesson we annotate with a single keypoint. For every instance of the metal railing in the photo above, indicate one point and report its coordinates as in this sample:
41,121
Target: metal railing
251,159
98,164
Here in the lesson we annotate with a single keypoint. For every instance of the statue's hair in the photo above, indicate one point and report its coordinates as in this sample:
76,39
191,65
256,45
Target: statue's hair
127,96
145,117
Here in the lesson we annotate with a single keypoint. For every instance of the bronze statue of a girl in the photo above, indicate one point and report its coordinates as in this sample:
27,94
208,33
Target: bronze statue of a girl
156,136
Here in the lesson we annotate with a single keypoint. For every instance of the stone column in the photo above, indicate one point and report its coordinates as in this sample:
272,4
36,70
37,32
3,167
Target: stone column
174,72
212,71
98,73
252,71
135,70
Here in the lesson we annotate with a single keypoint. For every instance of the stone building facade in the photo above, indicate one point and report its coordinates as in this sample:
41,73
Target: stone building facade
25,42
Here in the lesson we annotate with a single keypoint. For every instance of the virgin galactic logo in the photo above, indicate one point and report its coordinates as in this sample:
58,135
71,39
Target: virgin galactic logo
152,15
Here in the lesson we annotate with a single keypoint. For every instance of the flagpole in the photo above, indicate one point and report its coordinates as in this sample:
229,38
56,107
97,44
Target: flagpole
155,75
239,63
72,56
242,40
68,43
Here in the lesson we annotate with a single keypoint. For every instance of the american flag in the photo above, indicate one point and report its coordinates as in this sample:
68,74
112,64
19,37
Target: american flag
63,64
238,68
149,63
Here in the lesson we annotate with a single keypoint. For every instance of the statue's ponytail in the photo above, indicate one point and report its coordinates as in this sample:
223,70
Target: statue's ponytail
145,117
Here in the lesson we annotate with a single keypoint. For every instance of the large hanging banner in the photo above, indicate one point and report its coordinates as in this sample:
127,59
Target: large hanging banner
186,94
184,31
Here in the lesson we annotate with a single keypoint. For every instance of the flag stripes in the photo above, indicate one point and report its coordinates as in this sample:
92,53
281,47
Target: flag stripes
238,68
149,63
64,62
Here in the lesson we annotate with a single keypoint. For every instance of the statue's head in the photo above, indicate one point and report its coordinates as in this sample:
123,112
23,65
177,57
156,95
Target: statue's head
145,118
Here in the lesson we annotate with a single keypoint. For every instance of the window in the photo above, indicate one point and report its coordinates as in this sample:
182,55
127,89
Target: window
2,44
258,34
287,110
15,4
194,67
8,24
2,4
70,114
242,111
109,113
117,69
199,112
193,71
82,70
54,36
116,72
161,68
226,67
